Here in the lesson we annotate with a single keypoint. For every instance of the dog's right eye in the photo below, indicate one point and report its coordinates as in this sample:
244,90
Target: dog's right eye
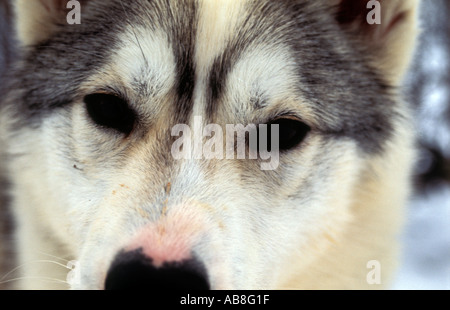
110,111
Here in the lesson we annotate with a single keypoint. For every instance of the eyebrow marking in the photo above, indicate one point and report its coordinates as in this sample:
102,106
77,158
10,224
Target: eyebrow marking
183,40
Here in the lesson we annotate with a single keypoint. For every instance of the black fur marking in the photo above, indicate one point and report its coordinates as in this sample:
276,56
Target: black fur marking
184,32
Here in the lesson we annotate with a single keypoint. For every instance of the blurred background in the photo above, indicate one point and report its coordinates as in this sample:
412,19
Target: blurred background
425,263
426,258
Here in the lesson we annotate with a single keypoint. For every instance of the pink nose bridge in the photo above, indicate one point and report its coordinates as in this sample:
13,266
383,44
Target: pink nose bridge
171,238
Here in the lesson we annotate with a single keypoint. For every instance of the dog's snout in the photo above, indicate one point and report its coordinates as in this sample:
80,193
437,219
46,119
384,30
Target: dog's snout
134,270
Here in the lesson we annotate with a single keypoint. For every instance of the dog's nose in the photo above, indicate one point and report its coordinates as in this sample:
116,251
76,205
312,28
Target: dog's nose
134,270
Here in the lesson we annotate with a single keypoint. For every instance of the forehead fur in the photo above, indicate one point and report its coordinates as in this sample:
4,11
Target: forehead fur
204,46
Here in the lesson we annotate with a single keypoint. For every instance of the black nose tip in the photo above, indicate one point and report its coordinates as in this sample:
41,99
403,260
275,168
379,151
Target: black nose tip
133,270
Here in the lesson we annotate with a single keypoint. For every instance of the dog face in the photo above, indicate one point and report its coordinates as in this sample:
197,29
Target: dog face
91,134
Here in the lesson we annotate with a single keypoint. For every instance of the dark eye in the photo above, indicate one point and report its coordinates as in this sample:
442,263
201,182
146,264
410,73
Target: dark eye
110,111
291,132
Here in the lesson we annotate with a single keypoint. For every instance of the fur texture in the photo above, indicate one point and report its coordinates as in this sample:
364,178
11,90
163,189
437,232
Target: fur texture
85,193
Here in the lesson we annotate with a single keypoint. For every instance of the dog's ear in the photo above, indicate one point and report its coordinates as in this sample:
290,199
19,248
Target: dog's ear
37,20
386,29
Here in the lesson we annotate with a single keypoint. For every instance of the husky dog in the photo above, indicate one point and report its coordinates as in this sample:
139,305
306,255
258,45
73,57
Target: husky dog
86,128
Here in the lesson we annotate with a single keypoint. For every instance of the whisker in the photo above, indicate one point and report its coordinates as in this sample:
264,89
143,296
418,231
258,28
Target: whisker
54,256
37,261
47,279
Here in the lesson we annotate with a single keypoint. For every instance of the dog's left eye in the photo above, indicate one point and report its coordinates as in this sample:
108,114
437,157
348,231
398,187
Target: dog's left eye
110,111
291,133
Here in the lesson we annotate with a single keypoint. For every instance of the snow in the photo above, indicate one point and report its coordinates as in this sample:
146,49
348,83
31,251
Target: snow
425,262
